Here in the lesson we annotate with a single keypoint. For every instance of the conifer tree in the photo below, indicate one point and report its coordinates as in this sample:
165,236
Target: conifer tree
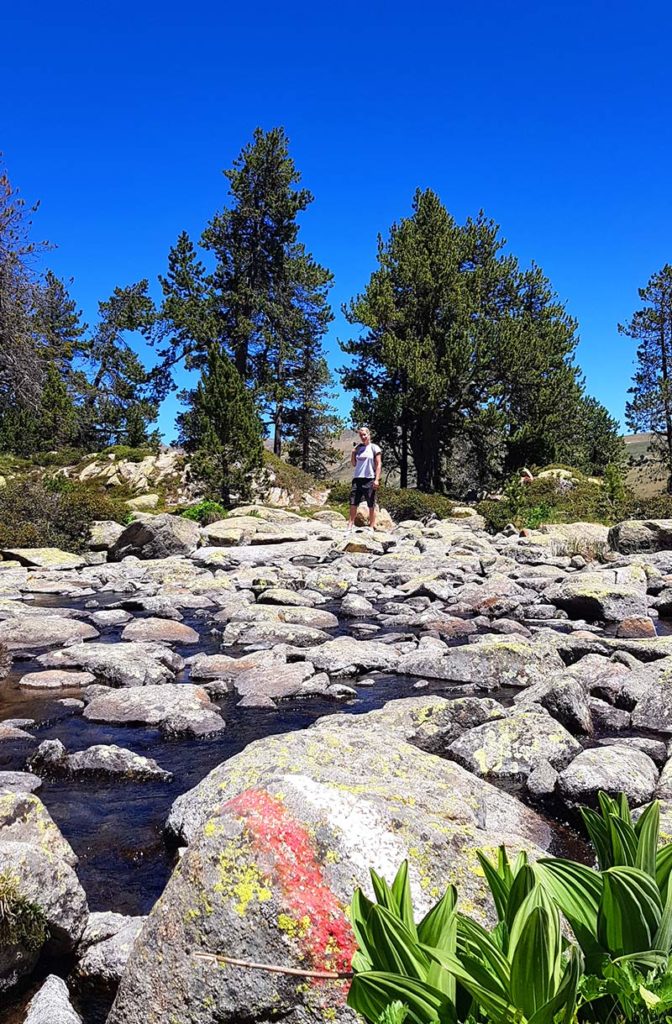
312,424
121,398
650,408
222,431
464,364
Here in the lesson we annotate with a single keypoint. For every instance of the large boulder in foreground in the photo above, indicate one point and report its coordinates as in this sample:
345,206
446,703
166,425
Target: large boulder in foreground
279,837
157,537
614,769
635,535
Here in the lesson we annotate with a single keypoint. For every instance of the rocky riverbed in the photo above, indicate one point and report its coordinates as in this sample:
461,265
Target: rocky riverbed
208,735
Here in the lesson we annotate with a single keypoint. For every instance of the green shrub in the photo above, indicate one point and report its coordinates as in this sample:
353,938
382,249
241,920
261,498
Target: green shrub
22,922
205,512
290,478
125,453
62,457
402,504
55,512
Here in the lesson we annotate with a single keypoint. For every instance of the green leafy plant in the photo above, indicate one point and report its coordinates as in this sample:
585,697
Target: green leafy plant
449,968
22,922
205,512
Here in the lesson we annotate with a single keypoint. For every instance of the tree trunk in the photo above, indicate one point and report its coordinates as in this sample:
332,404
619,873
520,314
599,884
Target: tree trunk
305,443
403,464
667,403
277,431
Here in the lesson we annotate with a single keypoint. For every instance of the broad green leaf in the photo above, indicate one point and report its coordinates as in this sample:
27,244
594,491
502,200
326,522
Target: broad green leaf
596,827
663,937
383,893
533,963
438,919
481,983
565,995
663,866
647,830
538,897
630,911
393,947
439,929
497,883
474,941
623,842
360,909
576,890
401,892
372,992
523,884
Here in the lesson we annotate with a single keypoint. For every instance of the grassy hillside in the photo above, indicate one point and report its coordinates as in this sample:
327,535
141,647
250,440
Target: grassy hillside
646,477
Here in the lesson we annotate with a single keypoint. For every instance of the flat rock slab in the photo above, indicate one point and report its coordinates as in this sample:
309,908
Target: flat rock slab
120,664
222,666
176,709
160,630
282,596
51,1005
344,653
490,663
295,615
275,681
614,769
35,631
44,558
55,679
20,782
272,633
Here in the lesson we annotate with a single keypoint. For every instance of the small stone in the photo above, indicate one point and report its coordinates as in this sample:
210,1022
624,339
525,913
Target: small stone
542,781
636,627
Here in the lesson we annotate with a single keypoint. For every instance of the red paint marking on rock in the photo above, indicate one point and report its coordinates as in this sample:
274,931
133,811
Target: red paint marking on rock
328,938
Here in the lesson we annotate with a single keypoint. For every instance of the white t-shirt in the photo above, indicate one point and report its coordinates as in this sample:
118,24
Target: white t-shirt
365,460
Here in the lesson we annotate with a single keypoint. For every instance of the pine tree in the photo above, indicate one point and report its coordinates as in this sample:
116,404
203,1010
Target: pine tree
222,431
187,323
312,424
650,408
21,367
466,364
121,398
267,291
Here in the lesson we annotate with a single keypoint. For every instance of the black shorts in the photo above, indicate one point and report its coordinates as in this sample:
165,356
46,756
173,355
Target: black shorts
363,490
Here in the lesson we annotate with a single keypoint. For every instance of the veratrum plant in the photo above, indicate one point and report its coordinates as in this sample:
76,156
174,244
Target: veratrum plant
517,974
616,840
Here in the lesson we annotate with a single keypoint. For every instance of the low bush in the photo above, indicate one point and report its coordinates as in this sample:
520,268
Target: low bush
405,503
62,457
554,500
125,453
205,512
55,512
289,478
447,968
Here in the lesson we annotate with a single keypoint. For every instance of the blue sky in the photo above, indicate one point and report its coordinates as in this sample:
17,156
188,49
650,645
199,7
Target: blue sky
553,117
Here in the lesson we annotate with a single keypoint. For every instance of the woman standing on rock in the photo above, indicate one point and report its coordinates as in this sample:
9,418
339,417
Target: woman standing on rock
367,461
